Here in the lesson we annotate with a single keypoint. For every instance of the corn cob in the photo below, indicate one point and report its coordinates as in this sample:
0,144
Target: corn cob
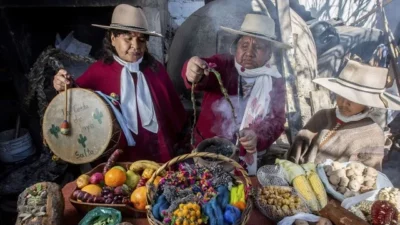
292,170
365,206
358,213
305,190
295,174
316,183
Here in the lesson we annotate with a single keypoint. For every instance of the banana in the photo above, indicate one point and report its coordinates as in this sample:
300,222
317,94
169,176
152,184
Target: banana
140,165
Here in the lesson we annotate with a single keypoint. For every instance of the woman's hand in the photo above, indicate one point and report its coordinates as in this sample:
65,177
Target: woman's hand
248,139
196,68
60,79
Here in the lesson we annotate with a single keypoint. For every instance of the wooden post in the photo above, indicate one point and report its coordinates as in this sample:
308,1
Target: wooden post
393,48
288,68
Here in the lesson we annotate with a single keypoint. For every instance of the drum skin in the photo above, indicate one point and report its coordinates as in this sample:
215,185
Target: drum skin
93,126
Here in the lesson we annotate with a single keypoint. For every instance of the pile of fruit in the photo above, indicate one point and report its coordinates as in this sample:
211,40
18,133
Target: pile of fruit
306,182
196,195
278,201
351,180
117,184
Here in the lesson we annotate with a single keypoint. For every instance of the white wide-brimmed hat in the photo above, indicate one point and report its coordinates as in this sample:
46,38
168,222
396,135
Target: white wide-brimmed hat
362,84
129,18
259,26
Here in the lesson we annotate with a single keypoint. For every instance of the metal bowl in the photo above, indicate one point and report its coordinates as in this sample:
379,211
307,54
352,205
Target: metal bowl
217,141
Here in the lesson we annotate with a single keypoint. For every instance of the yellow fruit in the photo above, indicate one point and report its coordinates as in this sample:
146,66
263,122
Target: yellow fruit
141,165
147,173
139,198
304,189
82,181
92,189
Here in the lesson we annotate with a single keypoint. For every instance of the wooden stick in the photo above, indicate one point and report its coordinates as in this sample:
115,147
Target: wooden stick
369,13
192,141
339,215
66,101
393,48
17,126
65,125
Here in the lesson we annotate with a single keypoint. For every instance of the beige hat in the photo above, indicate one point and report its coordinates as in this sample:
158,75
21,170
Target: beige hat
362,84
129,18
259,26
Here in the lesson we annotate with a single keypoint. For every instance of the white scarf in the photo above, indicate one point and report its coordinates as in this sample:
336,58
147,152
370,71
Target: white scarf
129,97
353,118
258,104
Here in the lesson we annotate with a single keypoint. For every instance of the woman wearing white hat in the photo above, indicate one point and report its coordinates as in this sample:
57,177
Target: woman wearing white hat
150,106
246,73
347,133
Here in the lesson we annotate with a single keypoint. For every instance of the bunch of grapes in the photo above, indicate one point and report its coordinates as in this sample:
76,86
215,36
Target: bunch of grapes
117,195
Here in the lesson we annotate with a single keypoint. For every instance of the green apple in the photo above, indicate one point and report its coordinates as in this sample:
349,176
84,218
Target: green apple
132,179
120,168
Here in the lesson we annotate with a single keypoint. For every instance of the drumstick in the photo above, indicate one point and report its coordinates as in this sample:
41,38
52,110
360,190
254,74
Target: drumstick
64,125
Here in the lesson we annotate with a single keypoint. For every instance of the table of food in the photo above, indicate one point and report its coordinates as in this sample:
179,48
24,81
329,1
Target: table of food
182,192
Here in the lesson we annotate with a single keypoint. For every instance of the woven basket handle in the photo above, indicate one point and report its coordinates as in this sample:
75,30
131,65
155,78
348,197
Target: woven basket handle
181,158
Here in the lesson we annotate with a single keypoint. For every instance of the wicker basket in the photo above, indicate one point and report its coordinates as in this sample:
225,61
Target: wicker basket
151,193
126,210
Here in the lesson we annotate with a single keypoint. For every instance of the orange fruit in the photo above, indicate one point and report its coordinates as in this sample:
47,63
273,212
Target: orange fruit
92,189
114,177
139,198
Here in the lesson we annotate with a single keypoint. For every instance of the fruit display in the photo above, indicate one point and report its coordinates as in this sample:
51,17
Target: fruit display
196,194
277,202
351,180
117,183
306,182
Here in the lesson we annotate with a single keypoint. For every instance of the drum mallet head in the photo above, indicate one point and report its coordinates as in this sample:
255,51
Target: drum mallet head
64,127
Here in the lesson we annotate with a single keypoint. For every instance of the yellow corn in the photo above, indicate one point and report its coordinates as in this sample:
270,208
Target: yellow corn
304,189
318,188
316,183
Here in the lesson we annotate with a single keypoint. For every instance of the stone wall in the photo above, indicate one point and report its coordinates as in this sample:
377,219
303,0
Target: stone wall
180,10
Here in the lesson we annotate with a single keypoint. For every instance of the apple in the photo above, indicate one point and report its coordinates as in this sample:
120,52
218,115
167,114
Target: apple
96,178
132,179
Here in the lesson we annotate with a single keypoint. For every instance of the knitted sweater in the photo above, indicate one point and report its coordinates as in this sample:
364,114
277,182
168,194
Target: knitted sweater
323,137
